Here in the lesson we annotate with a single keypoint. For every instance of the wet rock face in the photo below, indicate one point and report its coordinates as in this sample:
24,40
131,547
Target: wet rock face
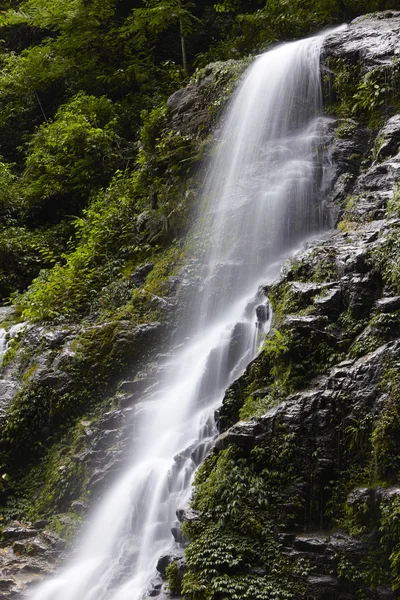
27,553
371,40
189,108
335,294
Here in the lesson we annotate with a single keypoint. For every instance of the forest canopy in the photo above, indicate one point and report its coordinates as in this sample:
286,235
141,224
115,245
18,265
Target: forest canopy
79,83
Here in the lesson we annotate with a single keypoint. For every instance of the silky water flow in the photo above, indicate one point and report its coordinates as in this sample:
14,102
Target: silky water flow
261,199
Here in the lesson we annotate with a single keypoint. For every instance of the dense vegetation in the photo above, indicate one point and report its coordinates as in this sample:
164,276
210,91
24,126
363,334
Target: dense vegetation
82,197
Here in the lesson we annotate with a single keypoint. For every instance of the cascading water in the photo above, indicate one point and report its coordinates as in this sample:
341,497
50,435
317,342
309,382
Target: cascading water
6,335
3,343
261,198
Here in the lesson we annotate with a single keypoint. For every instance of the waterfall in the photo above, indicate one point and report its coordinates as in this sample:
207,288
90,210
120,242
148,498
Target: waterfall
261,199
7,335
3,343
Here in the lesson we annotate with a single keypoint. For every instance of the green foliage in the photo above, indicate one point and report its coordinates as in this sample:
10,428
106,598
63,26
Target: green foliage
72,156
233,550
254,29
365,96
171,572
386,257
153,124
386,434
375,90
8,192
103,354
344,87
23,253
145,24
393,207
258,403
27,80
390,537
65,525
111,235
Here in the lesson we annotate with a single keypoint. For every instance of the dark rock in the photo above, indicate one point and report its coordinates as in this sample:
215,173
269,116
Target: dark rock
6,313
155,588
258,571
286,538
304,291
388,139
244,434
263,313
362,290
56,380
139,276
304,323
135,388
6,584
228,413
18,532
186,513
237,343
30,547
370,41
56,337
330,303
165,560
8,390
365,496
388,305
57,542
182,100
40,524
375,188
177,533
310,544
80,508
384,593
323,586
128,400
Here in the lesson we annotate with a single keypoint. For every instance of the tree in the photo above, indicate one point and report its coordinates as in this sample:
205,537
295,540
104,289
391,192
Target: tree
145,24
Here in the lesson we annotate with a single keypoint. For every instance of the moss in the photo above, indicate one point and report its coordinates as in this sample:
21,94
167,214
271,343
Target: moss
65,525
345,225
350,209
52,483
385,438
393,207
12,350
30,372
41,413
343,88
345,129
385,257
376,523
233,550
390,537
366,96
225,76
258,403
381,328
284,300
318,266
167,265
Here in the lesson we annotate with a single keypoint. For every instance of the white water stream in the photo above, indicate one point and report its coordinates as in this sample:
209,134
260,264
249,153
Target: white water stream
6,335
262,197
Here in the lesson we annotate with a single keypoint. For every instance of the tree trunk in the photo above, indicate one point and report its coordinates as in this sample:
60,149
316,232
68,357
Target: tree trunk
183,46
